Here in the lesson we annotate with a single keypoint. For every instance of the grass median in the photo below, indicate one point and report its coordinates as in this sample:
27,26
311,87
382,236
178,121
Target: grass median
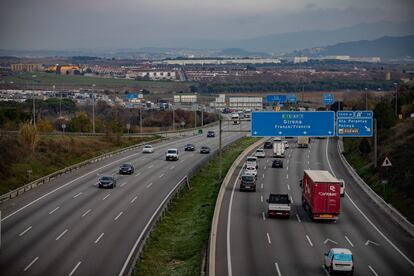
177,244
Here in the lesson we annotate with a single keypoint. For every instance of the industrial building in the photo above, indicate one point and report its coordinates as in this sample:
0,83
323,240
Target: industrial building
253,103
21,67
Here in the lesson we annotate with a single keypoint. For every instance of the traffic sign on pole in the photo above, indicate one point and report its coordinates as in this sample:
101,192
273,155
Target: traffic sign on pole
328,99
293,123
276,98
292,99
386,163
354,124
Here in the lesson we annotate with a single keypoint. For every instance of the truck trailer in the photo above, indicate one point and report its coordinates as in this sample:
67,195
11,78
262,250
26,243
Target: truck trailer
279,149
303,142
321,195
279,205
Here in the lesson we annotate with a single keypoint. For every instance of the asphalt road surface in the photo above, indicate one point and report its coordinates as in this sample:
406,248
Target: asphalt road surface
249,243
71,227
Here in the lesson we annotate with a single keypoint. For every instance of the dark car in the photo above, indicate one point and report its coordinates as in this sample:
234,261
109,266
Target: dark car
204,149
126,169
248,183
211,133
189,147
107,182
268,145
277,163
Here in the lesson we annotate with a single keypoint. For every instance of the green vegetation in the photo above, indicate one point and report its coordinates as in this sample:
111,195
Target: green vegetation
177,244
395,141
46,154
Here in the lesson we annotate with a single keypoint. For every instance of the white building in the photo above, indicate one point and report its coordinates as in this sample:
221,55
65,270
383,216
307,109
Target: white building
254,103
185,99
152,74
220,61
300,59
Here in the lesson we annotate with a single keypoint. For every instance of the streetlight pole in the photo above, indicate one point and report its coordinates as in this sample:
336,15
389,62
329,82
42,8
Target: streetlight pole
173,120
34,104
396,98
366,99
140,120
93,109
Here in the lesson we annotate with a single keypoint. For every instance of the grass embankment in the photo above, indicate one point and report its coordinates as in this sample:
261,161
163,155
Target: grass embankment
397,144
177,244
51,154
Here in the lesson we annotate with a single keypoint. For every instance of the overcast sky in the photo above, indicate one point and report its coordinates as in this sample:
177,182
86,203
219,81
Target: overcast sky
68,24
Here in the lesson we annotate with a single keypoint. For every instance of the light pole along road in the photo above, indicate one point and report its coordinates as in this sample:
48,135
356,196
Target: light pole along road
71,227
249,243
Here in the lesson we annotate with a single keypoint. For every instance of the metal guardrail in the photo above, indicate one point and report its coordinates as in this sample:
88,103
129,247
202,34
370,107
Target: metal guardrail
388,209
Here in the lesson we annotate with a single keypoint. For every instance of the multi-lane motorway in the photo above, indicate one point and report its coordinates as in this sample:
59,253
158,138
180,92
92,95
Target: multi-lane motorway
71,227
249,243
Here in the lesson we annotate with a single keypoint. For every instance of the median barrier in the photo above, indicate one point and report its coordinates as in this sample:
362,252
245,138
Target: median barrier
388,209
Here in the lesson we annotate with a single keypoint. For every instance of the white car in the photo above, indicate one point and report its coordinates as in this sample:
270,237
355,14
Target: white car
251,161
260,153
339,260
148,149
286,144
251,170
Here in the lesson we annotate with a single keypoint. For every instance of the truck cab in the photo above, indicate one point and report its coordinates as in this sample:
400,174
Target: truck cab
279,205
278,149
172,155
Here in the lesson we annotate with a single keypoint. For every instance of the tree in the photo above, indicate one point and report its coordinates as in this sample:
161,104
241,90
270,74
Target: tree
384,114
29,136
364,147
80,123
45,126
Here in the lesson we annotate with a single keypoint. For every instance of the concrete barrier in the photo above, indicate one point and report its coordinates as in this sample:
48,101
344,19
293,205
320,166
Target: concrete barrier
388,209
213,233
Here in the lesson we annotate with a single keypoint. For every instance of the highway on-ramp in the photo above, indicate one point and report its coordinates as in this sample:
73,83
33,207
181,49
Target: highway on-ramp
250,243
71,227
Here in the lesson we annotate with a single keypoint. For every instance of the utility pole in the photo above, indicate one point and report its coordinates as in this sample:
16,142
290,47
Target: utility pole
93,108
140,120
375,143
396,99
220,161
34,104
173,122
195,116
202,116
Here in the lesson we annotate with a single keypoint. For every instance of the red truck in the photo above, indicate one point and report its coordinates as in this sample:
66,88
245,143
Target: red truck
321,194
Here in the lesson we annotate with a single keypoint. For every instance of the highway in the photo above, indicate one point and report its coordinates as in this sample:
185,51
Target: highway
250,243
71,227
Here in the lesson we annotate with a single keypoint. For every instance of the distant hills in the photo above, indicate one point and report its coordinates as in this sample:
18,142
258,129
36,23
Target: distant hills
384,47
239,53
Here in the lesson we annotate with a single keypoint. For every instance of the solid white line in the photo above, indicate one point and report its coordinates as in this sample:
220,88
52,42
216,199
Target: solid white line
372,270
229,268
278,270
349,241
31,263
161,175
87,212
172,167
117,217
54,210
365,216
135,198
25,231
74,269
77,195
268,238
261,198
150,166
61,234
105,197
100,236
263,215
149,185
124,267
297,216
309,240
123,184
288,187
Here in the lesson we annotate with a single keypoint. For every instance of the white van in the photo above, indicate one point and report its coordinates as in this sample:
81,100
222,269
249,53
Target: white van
235,118
339,260
251,161
278,149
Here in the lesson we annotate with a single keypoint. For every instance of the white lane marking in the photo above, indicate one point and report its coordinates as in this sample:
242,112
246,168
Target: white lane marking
291,200
372,270
61,234
99,238
349,241
25,231
287,161
134,247
261,185
137,174
278,270
368,242
297,216
149,185
78,194
287,176
143,158
365,216
161,175
150,166
87,212
74,269
287,168
265,167
263,176
229,268
172,167
329,240
263,215
309,240
268,238
117,217
135,198
182,161
123,184
261,198
54,210
31,263
288,186
105,197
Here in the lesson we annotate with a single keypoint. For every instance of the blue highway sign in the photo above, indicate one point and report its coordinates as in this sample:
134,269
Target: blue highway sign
354,124
292,99
293,123
328,99
276,98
